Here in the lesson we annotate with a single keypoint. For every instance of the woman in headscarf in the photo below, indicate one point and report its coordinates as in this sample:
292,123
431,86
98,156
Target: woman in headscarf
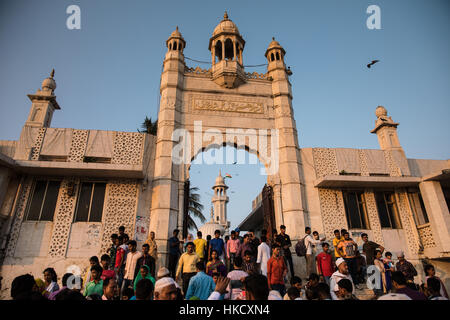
215,265
144,273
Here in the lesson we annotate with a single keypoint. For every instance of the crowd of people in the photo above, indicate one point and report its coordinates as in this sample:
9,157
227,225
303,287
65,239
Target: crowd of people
236,268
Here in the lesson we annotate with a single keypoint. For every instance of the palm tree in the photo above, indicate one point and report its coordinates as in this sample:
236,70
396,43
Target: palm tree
149,127
195,209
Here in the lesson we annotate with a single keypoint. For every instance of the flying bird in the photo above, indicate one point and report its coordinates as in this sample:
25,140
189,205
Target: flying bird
372,63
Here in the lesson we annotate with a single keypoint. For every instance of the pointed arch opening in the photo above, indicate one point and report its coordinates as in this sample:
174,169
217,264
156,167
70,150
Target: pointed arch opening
229,52
218,50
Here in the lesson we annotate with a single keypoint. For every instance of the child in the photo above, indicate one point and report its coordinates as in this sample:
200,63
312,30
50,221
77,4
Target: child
389,268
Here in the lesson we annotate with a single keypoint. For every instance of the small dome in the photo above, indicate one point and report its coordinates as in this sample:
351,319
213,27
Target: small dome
274,45
49,83
219,181
176,34
226,25
380,111
209,228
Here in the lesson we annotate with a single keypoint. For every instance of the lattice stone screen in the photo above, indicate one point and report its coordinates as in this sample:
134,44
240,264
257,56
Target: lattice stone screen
128,148
119,210
426,236
78,145
62,222
333,211
20,212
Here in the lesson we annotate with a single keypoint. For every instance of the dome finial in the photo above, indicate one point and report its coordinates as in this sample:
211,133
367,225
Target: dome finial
177,28
273,38
52,74
225,15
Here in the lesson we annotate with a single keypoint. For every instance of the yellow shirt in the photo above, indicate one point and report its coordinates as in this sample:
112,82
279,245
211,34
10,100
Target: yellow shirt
335,245
200,245
187,263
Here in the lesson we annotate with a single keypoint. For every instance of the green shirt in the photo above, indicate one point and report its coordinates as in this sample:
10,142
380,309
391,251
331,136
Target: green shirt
93,288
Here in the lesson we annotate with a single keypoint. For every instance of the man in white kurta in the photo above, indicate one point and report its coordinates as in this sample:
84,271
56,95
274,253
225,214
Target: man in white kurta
263,255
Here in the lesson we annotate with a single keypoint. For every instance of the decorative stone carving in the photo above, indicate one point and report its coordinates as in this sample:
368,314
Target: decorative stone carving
62,221
36,149
283,112
199,71
333,211
228,106
128,148
363,163
394,170
426,236
408,224
119,210
374,219
19,216
78,145
256,75
325,162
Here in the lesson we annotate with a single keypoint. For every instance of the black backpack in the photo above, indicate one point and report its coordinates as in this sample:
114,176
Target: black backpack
300,247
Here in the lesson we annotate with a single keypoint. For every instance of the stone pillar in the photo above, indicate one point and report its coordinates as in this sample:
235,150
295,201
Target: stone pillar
181,196
278,207
223,48
165,195
288,151
437,211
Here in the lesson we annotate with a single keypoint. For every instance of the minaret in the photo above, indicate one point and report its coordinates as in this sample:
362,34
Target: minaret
43,104
226,46
166,185
290,168
220,200
386,130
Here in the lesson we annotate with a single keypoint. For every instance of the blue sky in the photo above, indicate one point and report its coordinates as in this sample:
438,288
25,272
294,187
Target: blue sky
108,72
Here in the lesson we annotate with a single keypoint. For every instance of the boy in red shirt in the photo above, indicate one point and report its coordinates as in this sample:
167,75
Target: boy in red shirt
325,264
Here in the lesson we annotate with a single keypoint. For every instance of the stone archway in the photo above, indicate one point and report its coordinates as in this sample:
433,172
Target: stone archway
197,111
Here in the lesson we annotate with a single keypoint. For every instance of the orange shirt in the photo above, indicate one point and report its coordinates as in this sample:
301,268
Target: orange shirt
275,270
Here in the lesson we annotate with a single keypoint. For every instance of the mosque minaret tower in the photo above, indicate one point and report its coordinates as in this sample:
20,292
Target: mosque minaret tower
219,209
